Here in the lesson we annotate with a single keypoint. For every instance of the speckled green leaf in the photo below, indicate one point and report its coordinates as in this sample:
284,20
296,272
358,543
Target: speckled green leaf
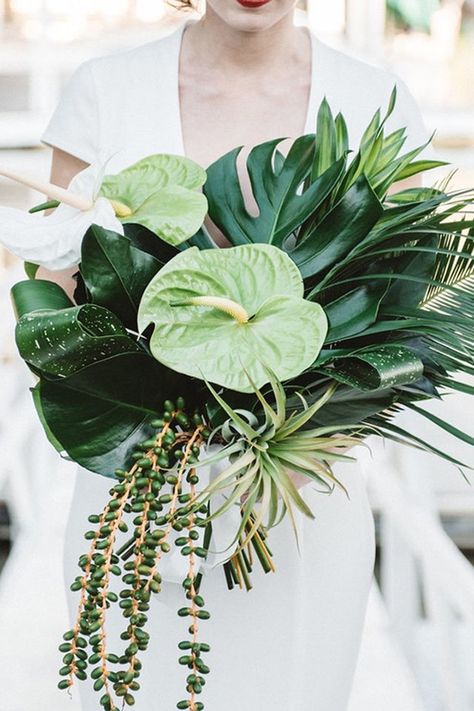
65,341
285,332
161,192
386,367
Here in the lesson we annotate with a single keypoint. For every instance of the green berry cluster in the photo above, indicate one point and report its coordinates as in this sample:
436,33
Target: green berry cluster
151,494
195,609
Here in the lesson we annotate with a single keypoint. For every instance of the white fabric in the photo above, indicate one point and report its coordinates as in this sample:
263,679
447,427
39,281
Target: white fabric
125,106
290,644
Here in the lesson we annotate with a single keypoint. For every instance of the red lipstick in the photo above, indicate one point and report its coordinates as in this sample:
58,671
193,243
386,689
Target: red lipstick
253,3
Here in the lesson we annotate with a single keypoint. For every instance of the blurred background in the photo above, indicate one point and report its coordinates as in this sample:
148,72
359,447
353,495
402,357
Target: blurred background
418,647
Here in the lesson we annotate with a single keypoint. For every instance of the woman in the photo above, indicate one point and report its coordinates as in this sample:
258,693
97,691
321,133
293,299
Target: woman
241,75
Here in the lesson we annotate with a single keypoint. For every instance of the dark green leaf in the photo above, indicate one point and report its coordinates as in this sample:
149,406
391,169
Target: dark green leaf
98,414
352,313
421,265
38,294
342,228
386,366
148,242
39,411
115,272
350,405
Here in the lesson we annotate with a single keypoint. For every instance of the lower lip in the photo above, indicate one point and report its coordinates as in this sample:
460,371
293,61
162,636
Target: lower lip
253,5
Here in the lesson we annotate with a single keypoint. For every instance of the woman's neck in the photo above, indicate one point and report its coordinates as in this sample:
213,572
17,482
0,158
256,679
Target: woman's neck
217,44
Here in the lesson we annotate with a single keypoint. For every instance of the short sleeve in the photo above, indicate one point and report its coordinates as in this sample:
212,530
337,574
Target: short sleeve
74,125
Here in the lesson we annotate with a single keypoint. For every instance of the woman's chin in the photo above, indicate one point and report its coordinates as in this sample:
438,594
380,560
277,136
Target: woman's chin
250,15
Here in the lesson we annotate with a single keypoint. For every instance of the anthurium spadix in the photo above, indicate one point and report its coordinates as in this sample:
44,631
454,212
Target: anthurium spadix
225,315
54,241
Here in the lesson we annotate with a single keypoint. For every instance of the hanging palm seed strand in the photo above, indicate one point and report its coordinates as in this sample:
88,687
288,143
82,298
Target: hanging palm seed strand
195,681
95,597
138,491
141,575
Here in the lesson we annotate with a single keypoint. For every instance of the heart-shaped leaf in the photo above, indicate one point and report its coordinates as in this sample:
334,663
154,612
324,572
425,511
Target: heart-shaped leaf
223,314
160,192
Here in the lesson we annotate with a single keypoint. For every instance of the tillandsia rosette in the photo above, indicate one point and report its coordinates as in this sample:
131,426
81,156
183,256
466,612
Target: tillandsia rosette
339,303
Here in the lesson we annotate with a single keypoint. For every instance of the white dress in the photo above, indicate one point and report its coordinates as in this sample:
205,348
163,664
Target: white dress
290,644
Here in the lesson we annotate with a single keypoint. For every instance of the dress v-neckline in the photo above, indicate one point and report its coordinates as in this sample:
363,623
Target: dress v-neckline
309,125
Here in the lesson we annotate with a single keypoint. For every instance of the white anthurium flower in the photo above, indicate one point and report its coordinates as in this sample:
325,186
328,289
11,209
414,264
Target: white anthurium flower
54,241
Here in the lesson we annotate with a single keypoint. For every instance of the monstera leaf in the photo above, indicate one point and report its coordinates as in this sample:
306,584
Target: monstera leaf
276,184
160,193
225,315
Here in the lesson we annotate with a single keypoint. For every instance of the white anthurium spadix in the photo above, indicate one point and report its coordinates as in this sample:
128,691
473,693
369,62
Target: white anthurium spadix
228,315
54,241
160,192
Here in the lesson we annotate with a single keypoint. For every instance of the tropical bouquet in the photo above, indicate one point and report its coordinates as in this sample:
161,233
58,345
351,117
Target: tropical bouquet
337,304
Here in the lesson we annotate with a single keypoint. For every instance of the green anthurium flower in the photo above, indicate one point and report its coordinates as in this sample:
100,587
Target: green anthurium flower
222,315
160,192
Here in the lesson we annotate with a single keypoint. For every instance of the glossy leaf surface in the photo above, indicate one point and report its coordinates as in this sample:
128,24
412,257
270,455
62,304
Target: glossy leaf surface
115,272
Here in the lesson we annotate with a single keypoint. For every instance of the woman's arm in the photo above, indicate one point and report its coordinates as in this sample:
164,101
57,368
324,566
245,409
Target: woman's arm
64,167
